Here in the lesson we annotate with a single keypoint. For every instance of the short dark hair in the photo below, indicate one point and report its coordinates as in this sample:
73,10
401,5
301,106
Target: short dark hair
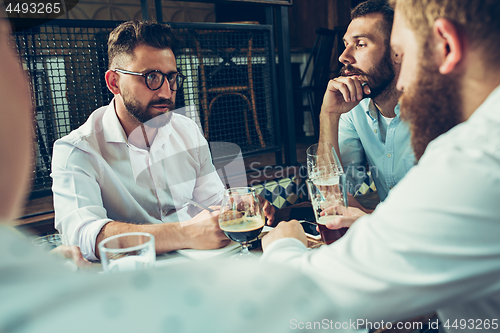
128,35
376,7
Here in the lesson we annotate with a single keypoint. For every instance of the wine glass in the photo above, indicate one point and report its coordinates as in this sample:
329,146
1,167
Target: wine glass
241,217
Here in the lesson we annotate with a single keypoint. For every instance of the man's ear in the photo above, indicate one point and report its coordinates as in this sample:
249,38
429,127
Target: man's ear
449,45
112,82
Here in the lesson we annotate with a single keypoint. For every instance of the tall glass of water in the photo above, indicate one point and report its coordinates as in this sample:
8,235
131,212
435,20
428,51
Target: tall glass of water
127,252
241,217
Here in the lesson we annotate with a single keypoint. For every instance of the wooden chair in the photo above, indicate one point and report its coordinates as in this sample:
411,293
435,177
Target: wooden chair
210,94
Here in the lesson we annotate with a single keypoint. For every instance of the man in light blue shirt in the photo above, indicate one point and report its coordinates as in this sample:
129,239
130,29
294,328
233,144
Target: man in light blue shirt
366,137
368,132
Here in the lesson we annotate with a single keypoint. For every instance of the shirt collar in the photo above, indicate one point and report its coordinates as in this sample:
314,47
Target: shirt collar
114,132
112,128
369,106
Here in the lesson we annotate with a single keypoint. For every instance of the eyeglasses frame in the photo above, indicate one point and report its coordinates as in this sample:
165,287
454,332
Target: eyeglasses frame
145,75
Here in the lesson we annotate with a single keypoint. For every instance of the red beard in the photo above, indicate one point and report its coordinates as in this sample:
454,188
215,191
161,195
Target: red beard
432,105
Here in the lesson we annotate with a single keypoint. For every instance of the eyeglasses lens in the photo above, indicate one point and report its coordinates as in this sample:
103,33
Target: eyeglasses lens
154,80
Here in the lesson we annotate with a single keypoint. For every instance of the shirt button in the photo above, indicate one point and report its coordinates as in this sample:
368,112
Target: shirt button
389,155
375,131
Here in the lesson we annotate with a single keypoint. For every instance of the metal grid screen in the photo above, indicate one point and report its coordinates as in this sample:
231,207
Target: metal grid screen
228,90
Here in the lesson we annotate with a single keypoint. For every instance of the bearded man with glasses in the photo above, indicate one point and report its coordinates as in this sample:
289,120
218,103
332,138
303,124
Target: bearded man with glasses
131,166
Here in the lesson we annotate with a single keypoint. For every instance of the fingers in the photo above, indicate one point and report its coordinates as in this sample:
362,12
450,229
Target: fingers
77,257
268,209
72,252
336,209
366,89
350,215
341,222
350,87
291,229
269,213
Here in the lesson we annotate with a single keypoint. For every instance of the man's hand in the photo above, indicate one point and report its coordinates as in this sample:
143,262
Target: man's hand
349,216
72,252
268,210
291,229
204,232
342,94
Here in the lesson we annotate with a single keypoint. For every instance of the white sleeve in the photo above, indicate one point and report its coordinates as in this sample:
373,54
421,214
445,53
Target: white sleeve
431,244
208,188
79,210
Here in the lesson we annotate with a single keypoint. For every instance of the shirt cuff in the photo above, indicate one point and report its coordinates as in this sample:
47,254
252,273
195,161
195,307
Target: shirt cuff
283,249
88,237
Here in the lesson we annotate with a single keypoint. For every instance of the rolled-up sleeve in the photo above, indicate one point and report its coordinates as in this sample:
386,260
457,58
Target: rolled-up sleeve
79,210
351,152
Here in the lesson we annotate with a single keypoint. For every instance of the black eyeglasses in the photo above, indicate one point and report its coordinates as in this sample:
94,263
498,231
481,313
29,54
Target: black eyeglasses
154,79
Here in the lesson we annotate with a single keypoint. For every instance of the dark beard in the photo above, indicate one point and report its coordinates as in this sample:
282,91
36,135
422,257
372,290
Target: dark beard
380,78
144,115
432,105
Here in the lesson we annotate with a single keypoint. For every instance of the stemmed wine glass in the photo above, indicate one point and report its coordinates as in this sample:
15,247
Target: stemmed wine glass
241,217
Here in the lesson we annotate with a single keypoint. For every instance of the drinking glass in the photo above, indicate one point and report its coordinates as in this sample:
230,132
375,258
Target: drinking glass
127,252
326,186
322,161
241,217
48,242
328,203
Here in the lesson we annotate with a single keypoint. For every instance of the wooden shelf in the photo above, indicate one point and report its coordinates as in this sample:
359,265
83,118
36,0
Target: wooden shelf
37,216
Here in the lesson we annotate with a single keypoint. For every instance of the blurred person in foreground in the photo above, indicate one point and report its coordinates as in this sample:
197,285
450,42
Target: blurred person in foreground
360,114
132,164
433,243
38,294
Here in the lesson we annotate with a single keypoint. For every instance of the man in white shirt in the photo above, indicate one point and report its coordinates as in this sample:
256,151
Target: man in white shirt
363,122
433,243
132,165
39,294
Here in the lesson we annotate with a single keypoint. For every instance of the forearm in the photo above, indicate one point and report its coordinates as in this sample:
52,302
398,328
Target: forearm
168,236
329,130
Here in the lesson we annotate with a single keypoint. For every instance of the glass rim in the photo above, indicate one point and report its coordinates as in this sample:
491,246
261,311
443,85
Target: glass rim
249,190
102,244
317,145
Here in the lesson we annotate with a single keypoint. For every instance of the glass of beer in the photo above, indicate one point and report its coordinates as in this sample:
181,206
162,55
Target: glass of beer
328,204
326,186
322,161
241,217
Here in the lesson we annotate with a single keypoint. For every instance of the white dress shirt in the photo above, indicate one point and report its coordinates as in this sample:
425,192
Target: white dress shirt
98,177
433,244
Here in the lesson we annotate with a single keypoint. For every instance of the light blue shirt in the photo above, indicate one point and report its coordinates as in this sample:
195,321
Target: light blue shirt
361,144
